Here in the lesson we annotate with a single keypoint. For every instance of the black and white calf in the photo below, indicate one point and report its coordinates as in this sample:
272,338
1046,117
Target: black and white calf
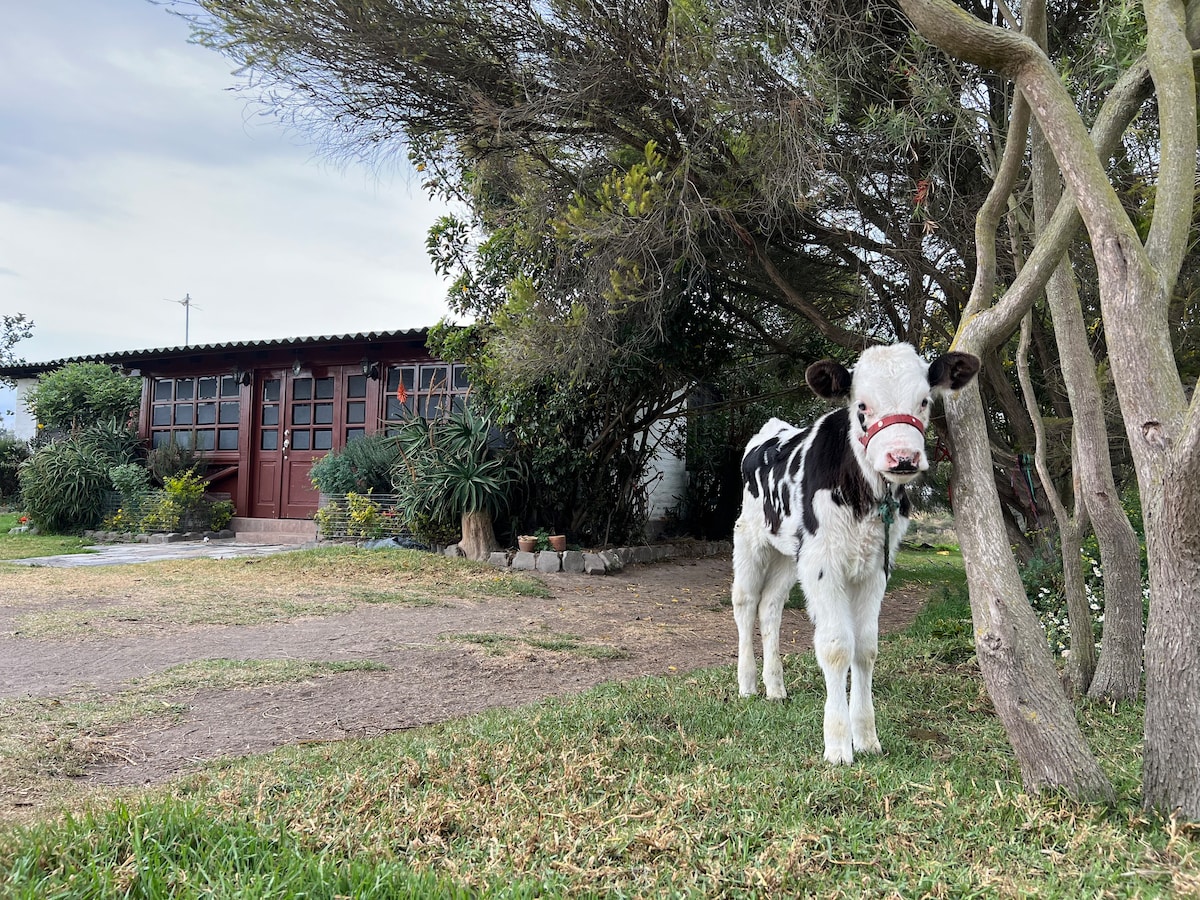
825,505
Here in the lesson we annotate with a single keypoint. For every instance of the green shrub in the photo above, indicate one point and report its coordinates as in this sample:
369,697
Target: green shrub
220,514
363,466
70,398
64,484
168,460
131,481
13,452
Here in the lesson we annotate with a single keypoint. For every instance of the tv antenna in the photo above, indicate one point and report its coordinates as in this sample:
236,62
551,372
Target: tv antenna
188,305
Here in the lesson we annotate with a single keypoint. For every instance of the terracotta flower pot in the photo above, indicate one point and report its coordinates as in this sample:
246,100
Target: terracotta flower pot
558,542
526,543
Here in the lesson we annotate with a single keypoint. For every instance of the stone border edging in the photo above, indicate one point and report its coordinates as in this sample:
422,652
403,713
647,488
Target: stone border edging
603,562
157,537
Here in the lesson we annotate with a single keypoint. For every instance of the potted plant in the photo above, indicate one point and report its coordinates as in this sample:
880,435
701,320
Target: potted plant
558,542
526,543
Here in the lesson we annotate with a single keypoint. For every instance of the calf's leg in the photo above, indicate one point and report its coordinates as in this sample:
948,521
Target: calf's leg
748,575
781,575
862,668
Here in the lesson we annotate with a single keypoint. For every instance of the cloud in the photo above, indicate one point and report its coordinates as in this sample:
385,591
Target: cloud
135,176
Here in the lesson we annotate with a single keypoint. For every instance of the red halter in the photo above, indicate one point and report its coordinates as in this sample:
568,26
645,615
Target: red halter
898,419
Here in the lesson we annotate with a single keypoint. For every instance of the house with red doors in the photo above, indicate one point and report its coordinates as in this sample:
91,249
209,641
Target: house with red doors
261,412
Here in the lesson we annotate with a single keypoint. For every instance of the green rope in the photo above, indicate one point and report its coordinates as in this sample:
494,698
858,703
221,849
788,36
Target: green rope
887,511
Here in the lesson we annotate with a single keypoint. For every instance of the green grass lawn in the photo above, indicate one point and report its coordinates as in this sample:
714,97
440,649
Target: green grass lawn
25,546
657,787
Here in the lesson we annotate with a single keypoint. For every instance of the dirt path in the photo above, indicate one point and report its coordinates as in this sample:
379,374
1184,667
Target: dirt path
665,618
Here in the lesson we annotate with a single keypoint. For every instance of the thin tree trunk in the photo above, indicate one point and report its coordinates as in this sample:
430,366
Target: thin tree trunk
1081,660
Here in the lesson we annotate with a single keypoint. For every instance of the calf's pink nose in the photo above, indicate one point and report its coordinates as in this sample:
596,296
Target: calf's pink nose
904,460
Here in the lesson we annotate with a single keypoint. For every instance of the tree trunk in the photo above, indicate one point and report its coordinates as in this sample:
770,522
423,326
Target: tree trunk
1081,661
1009,641
1171,773
478,536
1119,673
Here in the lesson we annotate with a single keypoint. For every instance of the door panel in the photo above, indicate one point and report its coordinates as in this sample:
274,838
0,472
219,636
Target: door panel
293,428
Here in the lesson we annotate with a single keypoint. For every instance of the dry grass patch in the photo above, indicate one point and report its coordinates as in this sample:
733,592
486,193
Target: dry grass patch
559,643
46,740
153,596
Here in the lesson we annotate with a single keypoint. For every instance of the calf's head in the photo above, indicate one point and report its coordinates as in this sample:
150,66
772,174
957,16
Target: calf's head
891,393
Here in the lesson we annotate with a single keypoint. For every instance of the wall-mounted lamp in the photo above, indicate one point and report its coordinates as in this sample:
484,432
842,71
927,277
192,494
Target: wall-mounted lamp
241,377
296,367
370,369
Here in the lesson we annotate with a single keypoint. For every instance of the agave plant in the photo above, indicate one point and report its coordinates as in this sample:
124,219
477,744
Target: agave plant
451,469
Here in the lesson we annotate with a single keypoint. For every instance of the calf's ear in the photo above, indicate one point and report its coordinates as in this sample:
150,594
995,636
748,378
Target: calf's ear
952,371
828,378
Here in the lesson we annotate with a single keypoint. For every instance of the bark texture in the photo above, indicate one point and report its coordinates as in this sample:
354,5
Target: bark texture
478,536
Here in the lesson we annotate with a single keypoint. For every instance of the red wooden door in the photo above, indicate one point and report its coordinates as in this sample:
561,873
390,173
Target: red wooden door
293,428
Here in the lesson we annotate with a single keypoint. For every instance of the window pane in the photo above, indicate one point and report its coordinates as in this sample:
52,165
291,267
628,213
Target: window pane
396,409
356,386
161,415
184,388
271,390
160,439
206,413
301,415
356,413
324,388
323,414
301,440
393,379
302,389
205,439
229,413
460,378
183,438
164,389
353,434
227,439
270,415
229,386
270,439
206,387
183,414
323,439
434,378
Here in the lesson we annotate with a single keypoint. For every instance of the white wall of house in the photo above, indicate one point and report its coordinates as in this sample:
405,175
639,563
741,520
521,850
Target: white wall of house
667,472
20,423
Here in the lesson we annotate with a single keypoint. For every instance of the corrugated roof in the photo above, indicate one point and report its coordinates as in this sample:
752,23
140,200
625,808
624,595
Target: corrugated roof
124,357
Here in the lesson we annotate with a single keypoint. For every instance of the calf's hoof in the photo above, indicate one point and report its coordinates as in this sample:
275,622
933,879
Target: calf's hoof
839,756
870,745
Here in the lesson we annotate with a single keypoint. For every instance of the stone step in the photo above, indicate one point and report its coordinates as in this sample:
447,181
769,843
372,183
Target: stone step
274,531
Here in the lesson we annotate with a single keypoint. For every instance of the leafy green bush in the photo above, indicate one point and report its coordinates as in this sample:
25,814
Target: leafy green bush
363,466
131,481
168,460
13,452
69,398
63,485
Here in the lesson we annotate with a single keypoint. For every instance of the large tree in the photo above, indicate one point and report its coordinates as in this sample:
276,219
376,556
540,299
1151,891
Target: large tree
1137,278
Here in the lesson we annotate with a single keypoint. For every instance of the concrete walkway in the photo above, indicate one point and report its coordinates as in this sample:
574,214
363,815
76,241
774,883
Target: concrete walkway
124,554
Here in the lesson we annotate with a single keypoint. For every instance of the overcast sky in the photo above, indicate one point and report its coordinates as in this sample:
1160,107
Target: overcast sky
131,176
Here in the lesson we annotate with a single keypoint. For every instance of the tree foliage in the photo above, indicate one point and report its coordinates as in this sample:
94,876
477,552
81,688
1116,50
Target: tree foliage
81,394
